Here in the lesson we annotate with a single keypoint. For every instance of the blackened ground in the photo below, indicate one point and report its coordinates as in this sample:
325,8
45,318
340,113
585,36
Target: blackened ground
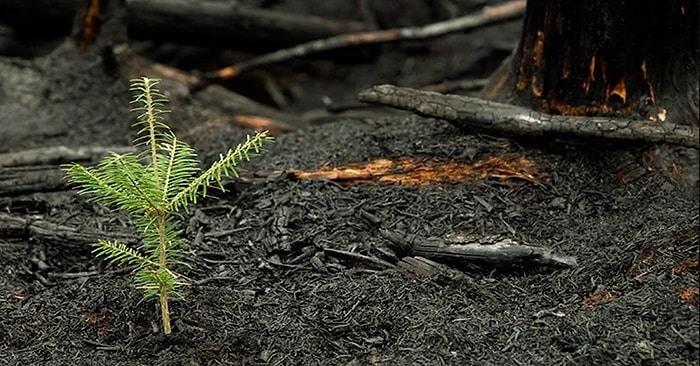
628,237
256,299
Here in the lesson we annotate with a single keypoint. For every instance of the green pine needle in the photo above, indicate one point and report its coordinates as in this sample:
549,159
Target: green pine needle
152,281
120,253
224,167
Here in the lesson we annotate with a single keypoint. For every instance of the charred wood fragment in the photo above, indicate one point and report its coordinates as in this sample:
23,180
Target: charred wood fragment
425,268
470,113
369,261
490,250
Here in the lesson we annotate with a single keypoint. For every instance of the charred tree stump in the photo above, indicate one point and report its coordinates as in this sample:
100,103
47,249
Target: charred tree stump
634,59
593,69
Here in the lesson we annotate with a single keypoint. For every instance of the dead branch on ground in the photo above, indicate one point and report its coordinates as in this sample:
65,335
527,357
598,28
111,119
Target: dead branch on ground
31,179
58,155
468,113
38,170
365,260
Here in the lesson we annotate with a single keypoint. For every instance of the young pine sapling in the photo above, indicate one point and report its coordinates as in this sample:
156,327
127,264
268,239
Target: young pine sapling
151,186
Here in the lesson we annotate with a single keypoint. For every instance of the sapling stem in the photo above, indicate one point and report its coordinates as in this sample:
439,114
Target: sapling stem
151,186
162,262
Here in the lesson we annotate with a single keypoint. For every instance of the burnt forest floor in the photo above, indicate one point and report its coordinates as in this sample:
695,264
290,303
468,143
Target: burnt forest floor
269,282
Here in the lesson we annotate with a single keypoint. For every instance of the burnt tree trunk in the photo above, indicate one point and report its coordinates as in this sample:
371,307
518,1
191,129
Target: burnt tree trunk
595,57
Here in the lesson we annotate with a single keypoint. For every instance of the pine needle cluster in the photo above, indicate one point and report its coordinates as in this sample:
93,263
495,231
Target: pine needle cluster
151,186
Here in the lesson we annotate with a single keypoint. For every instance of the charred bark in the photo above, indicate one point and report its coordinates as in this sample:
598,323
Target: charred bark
605,58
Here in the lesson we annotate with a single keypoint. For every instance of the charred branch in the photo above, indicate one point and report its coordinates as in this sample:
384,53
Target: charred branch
58,155
365,260
490,250
24,180
474,113
487,15
425,268
38,170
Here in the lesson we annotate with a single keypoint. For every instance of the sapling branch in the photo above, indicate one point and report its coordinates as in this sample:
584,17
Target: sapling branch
120,252
225,166
151,186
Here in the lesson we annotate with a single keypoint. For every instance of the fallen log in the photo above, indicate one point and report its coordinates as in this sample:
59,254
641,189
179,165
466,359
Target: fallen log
491,250
38,170
474,113
227,24
31,228
210,23
59,155
32,179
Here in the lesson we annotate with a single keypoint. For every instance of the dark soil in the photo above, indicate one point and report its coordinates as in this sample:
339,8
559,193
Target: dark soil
266,287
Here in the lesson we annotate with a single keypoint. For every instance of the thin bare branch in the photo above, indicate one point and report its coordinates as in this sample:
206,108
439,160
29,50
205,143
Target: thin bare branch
488,15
